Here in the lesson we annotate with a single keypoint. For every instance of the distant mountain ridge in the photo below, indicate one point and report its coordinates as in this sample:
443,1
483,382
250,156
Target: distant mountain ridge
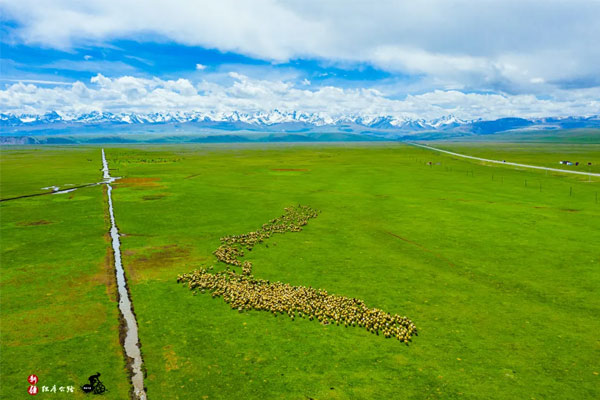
254,119
376,127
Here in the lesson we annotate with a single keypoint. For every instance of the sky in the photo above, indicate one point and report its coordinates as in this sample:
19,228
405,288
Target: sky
427,59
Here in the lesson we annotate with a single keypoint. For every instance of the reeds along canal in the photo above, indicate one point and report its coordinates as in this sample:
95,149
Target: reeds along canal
128,321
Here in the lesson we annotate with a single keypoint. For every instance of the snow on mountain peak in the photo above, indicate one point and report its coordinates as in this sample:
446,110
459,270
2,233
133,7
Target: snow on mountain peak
293,119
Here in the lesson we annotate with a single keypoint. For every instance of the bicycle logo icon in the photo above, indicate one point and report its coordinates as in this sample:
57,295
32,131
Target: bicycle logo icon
95,385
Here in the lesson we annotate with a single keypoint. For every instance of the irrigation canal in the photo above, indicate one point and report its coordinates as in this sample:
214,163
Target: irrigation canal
131,342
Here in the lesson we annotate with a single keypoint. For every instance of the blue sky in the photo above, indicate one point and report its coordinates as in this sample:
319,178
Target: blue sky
484,59
169,60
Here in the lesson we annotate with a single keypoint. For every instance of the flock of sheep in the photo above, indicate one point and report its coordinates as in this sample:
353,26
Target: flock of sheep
233,246
245,292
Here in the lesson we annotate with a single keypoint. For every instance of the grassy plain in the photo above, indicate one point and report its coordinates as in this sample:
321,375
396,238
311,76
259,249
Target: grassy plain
498,268
545,155
26,170
544,136
59,316
501,278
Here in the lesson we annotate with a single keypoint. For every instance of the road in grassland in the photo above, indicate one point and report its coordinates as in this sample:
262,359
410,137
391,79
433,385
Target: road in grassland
505,162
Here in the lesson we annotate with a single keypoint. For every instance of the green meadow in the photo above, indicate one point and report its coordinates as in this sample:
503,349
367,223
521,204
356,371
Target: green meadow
59,316
544,155
498,267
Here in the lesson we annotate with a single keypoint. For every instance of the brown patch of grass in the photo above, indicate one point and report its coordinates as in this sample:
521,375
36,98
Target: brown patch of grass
34,223
122,234
106,214
156,260
571,210
51,323
107,276
138,182
171,359
154,196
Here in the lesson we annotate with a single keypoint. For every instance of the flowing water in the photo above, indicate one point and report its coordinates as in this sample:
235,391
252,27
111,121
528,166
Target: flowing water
131,344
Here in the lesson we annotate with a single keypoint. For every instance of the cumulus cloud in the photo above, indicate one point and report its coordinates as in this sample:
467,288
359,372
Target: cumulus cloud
246,95
501,45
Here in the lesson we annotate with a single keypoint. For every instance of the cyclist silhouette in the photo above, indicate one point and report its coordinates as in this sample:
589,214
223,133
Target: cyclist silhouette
95,385
94,378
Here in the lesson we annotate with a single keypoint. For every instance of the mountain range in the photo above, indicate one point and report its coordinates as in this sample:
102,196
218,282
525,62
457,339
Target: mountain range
297,124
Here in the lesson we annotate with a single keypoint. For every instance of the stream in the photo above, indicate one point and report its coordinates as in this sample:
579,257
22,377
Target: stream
131,343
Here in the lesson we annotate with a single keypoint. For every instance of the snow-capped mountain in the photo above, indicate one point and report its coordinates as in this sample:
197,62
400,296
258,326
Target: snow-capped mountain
280,121
259,119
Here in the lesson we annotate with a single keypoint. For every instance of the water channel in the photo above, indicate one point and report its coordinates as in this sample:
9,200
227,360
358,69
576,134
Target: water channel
131,345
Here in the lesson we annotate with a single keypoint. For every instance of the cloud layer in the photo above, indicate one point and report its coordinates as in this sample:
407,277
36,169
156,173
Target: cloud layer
525,46
474,59
246,95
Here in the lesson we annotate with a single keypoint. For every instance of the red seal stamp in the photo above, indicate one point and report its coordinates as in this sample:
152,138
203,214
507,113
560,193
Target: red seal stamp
32,379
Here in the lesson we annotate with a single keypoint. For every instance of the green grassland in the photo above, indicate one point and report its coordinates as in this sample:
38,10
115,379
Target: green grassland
499,277
498,267
545,155
26,170
59,316
544,136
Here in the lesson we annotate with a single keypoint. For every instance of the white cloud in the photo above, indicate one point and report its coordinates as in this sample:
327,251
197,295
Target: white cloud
243,94
479,45
200,67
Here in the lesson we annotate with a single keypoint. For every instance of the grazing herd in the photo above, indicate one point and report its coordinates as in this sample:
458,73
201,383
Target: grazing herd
245,292
232,247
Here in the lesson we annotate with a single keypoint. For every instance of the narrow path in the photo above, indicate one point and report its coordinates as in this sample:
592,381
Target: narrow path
131,342
504,162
